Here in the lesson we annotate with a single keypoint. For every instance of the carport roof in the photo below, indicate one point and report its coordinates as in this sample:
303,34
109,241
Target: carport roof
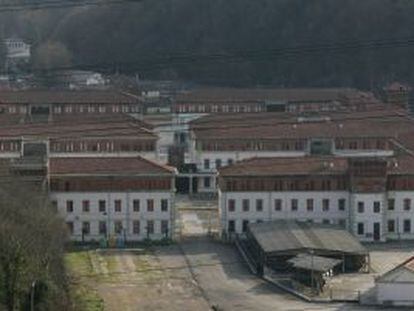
285,236
313,262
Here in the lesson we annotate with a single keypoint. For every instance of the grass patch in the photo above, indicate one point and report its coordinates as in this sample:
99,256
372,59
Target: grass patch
80,268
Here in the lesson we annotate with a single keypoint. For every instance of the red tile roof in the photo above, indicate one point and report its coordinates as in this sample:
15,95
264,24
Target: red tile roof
381,123
309,165
217,95
66,97
80,126
287,166
107,166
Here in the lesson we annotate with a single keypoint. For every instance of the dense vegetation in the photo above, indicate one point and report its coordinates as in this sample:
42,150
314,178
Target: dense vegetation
32,240
142,33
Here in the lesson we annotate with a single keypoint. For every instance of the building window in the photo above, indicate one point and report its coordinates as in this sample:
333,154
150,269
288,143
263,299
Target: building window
69,206
232,226
391,204
278,205
246,205
150,205
102,206
407,204
118,226
391,225
326,221
231,205
207,182
136,227
341,204
136,205
407,226
86,228
342,223
164,227
102,227
259,205
377,207
164,205
118,206
218,163
361,228
85,206
229,161
361,207
325,205
294,205
150,227
206,164
309,205
69,225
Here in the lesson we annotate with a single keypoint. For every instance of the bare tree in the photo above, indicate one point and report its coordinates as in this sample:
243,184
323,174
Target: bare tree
32,239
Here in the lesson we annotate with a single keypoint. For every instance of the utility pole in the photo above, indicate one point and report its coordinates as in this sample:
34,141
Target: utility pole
312,276
32,293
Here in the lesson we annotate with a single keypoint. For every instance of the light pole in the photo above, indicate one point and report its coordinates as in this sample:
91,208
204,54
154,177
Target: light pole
32,293
312,276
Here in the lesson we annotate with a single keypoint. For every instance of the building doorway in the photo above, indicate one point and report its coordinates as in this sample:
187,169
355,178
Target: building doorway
377,231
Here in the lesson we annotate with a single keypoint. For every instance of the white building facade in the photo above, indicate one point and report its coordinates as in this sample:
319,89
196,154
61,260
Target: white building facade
107,198
357,194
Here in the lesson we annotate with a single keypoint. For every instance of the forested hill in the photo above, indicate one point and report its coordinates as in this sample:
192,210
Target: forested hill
138,37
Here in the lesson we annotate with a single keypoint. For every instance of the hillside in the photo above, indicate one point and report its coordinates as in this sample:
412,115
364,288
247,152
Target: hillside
137,37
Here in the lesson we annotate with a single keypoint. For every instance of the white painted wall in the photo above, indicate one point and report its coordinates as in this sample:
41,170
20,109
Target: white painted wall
269,213
399,214
127,215
397,293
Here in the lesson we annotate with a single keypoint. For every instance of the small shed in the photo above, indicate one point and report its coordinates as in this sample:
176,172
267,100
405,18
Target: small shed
273,244
396,287
313,270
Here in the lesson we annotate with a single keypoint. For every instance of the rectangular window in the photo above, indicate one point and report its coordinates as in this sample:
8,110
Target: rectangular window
325,205
86,228
85,206
218,163
326,221
278,205
150,205
118,206
136,228
342,223
407,226
136,205
206,164
164,227
231,205
407,204
341,204
69,225
309,205
391,225
229,161
361,207
102,206
69,206
207,182
259,205
102,227
118,226
377,207
391,204
232,226
150,227
245,225
361,228
294,205
246,205
164,205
